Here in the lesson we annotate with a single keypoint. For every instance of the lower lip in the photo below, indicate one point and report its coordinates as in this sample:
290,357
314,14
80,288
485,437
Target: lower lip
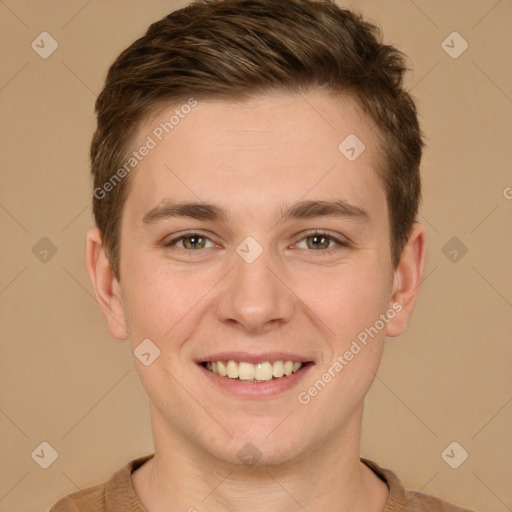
257,390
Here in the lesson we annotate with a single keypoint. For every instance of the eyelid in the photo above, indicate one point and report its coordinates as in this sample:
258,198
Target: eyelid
334,236
177,237
341,242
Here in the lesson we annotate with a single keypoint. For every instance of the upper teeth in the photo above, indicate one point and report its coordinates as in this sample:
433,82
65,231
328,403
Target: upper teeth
248,371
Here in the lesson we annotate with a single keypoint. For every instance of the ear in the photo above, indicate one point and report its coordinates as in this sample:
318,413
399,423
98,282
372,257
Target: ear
407,280
106,286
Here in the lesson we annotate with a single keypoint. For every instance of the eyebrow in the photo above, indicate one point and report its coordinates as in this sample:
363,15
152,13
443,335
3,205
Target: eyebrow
299,210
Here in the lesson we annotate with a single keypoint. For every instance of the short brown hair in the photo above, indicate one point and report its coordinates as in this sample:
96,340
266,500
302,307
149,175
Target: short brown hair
232,49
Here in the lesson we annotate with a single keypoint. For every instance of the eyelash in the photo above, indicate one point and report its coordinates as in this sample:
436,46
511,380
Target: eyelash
318,233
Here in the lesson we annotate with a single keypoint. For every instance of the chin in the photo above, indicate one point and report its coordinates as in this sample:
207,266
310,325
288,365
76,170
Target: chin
257,444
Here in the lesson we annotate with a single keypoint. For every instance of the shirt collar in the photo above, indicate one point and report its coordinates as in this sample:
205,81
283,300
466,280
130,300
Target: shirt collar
120,493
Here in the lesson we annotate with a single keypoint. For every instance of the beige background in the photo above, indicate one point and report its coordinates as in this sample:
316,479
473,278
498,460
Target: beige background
67,382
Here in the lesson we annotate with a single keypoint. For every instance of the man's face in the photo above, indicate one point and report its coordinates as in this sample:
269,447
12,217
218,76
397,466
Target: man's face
257,286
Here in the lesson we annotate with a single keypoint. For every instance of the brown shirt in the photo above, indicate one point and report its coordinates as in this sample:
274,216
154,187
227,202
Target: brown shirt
118,494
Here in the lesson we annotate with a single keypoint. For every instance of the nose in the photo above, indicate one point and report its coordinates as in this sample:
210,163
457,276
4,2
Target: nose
254,296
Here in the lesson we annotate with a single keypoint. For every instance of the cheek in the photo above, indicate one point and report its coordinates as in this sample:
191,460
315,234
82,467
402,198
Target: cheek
348,298
162,300
350,304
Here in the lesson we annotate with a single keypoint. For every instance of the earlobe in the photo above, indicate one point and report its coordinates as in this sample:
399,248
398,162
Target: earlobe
105,284
407,280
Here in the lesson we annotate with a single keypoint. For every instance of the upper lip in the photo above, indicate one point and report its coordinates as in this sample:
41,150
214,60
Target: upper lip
253,358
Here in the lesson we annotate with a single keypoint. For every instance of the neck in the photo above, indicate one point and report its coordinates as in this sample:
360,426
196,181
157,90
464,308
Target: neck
181,478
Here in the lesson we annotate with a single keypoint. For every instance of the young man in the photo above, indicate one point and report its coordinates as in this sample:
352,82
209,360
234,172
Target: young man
256,185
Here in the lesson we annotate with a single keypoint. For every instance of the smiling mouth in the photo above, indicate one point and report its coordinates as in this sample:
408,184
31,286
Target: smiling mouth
249,372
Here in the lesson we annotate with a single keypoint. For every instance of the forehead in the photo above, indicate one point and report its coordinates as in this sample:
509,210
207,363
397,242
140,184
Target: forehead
259,151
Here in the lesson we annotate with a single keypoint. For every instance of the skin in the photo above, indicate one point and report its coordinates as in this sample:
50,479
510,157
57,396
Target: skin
252,158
